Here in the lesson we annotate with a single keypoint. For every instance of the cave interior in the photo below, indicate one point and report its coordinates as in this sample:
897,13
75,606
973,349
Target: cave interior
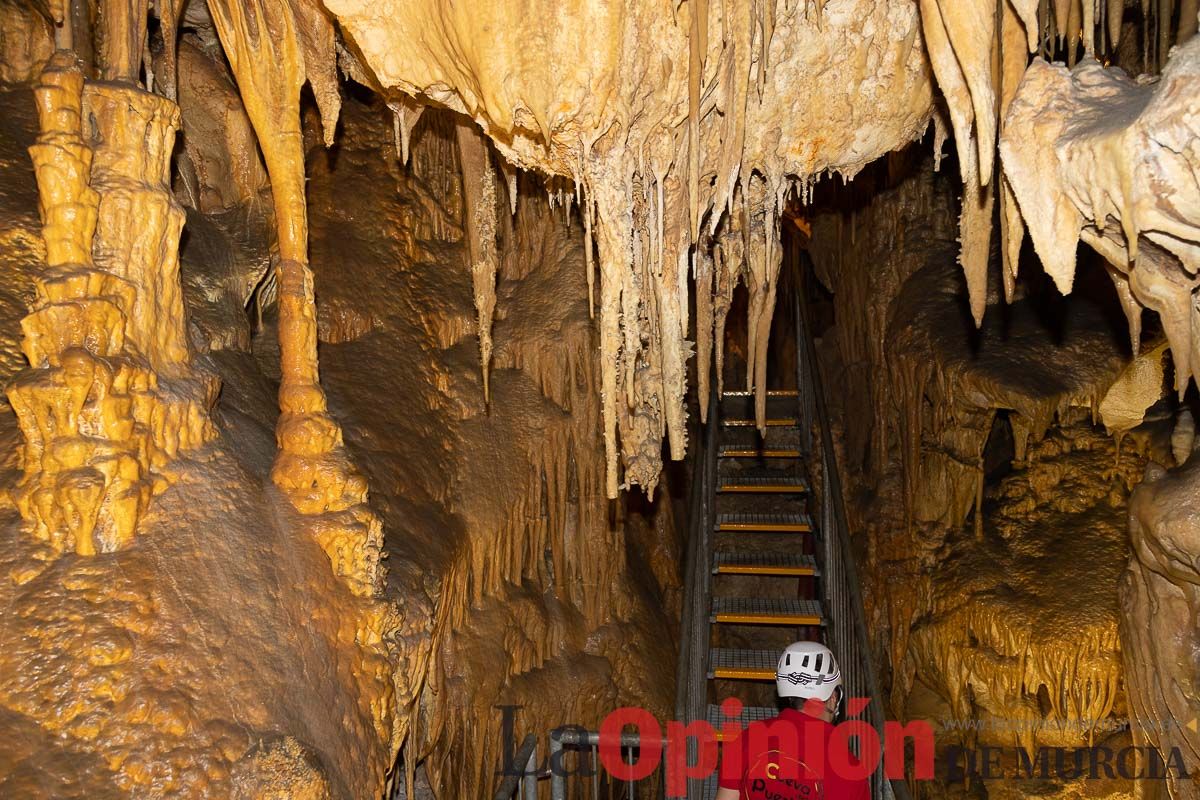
391,384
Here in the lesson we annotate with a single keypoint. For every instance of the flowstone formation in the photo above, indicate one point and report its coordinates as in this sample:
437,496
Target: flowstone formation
1117,170
110,398
1159,602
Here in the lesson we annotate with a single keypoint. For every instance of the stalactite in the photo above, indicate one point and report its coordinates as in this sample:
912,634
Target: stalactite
1188,21
318,53
169,12
704,328
1062,11
1073,181
1164,30
971,31
405,114
122,39
1114,14
1014,49
1074,29
730,270
479,196
652,172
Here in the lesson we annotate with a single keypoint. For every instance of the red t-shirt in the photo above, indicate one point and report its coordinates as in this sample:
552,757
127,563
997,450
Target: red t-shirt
777,769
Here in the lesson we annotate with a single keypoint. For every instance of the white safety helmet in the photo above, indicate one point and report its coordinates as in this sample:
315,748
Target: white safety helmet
807,670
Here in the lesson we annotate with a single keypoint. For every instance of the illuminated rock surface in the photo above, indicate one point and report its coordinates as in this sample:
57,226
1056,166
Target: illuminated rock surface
322,402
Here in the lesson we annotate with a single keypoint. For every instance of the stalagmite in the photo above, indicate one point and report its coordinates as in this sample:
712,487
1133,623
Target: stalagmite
110,398
479,202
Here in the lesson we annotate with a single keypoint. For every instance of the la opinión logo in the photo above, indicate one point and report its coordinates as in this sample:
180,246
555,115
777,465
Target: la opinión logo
669,749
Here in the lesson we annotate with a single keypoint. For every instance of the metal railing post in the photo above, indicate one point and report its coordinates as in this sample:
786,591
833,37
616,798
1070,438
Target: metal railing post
529,781
525,780
558,781
692,696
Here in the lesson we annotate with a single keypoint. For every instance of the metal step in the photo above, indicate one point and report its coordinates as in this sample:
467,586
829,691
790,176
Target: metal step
779,442
744,665
765,522
737,408
761,480
748,422
770,393
731,451
749,715
765,611
784,564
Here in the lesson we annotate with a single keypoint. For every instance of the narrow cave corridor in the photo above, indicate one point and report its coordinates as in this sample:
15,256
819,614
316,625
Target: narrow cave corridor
439,399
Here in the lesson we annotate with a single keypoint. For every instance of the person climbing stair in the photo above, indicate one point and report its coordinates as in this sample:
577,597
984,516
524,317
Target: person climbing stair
769,762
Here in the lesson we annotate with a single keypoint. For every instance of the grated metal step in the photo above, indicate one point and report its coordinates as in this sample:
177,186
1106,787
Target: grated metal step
750,714
765,522
779,442
784,564
761,480
765,611
748,422
745,665
740,406
770,393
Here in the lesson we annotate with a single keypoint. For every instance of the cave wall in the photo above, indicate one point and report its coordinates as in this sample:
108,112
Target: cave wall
518,575
1009,557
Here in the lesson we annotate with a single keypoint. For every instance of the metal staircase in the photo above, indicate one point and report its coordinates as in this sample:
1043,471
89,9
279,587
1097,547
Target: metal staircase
767,563
762,538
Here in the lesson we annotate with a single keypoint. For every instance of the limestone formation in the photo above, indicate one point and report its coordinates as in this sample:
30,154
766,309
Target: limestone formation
455,275
480,198
266,42
1121,182
692,115
110,398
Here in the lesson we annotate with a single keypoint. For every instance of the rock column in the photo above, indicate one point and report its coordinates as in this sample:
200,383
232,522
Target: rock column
109,400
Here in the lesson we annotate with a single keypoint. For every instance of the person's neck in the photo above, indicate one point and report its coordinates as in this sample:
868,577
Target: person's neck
824,716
